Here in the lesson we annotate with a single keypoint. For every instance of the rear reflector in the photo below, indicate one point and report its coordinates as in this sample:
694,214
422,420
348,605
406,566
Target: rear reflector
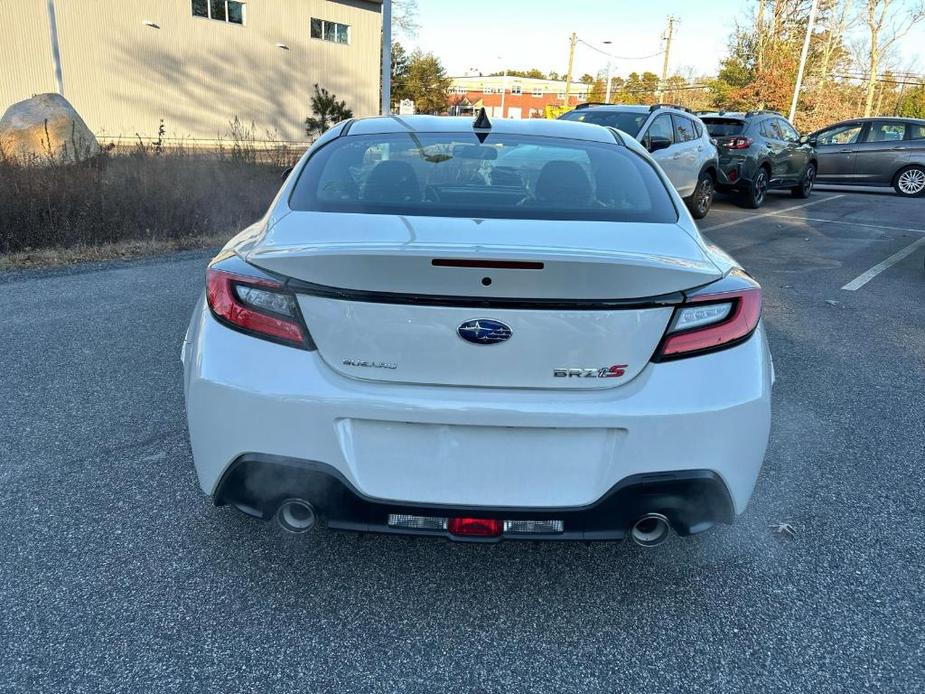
476,527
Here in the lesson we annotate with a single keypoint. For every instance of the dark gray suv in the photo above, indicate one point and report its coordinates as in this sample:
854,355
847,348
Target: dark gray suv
760,150
873,152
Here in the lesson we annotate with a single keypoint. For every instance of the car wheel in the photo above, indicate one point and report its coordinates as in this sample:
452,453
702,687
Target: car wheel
910,182
805,186
702,198
758,190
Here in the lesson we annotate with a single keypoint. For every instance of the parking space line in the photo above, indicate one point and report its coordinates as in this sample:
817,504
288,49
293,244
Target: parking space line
772,213
850,223
866,277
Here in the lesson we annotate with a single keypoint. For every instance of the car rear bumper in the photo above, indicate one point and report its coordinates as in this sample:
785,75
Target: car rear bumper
468,447
691,500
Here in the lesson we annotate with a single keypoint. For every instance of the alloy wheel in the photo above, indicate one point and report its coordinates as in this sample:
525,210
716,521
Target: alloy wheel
809,180
761,186
704,196
911,181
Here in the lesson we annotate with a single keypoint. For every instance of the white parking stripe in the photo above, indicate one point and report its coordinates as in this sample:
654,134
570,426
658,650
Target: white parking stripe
866,277
848,222
773,213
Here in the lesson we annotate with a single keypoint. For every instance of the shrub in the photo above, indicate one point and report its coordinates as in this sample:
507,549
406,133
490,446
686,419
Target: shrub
328,111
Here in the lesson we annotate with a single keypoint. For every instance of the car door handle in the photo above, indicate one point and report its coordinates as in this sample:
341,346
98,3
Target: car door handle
699,148
896,149
676,156
844,150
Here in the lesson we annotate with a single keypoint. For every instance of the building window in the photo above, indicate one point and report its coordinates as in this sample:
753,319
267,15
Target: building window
537,91
517,89
230,11
330,31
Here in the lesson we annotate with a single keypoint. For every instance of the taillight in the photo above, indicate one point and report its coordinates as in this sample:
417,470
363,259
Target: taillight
737,143
716,317
257,305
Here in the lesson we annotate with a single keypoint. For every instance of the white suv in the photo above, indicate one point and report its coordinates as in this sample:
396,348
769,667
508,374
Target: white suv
676,138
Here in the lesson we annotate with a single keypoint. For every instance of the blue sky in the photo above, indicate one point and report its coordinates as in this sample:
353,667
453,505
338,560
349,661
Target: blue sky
534,33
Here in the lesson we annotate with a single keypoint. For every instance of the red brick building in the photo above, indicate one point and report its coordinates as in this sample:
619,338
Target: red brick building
524,97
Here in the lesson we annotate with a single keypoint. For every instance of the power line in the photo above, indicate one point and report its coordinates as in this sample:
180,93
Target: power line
618,57
918,83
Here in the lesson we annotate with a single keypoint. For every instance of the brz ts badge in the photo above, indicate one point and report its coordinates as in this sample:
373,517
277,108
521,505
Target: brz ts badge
614,371
484,331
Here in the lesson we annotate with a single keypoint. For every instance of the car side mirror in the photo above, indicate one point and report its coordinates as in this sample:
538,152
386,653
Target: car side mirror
657,143
808,140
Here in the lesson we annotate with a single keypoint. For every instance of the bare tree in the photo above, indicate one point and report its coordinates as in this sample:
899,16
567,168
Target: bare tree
836,25
405,18
885,28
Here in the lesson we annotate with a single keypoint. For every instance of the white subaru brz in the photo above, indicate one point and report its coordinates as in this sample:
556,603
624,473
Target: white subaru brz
479,331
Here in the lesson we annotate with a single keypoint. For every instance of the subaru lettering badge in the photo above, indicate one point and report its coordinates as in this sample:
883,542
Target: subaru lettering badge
484,331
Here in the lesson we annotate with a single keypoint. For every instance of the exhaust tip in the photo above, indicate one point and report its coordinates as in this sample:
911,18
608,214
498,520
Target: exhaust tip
296,516
650,530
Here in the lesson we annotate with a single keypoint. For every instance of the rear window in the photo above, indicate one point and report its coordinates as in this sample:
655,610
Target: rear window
626,121
724,127
506,176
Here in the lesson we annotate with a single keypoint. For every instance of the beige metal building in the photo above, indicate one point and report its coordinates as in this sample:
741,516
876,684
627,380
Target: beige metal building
196,64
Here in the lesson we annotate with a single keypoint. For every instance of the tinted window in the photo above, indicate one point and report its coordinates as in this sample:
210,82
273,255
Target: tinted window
621,120
724,127
886,131
787,131
662,128
916,131
839,135
506,176
683,129
769,129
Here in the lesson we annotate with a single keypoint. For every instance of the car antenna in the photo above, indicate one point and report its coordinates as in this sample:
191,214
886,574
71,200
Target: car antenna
481,125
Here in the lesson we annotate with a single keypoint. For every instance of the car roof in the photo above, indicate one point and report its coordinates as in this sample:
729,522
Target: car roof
627,108
539,127
898,119
732,115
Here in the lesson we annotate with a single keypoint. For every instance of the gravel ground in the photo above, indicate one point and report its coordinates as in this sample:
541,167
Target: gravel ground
118,575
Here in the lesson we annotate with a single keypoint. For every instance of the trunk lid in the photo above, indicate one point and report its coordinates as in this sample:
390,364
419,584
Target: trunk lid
506,303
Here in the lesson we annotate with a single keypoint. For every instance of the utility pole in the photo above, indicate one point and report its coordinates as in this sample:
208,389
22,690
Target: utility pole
609,70
572,40
503,84
806,39
386,106
55,49
759,28
667,37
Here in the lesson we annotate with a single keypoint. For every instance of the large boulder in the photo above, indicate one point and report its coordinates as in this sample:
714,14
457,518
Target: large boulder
46,129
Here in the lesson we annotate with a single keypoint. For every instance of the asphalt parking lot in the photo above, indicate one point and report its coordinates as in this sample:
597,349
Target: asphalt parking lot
118,575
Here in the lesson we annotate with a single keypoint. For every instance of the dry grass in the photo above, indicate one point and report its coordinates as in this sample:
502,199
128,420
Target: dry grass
120,250
150,199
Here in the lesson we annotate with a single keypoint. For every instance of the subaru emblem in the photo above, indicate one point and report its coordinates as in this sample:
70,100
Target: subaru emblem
484,331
